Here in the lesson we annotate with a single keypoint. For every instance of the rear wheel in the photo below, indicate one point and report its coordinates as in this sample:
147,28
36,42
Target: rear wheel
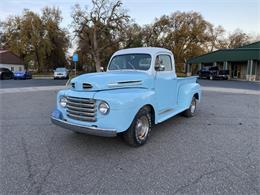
138,132
190,112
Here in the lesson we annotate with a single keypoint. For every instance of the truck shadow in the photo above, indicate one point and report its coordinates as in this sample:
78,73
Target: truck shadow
159,132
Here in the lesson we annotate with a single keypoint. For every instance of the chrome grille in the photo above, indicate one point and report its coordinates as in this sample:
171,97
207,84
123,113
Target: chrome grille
82,109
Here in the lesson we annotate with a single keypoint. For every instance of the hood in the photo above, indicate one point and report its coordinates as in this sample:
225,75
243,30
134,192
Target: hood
111,80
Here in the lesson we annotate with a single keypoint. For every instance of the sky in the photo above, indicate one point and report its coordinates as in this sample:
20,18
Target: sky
231,14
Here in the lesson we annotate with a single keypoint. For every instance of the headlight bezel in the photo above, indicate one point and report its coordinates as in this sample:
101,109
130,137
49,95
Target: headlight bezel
63,101
103,108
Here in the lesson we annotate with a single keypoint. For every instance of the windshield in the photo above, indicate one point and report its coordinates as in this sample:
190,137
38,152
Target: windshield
60,69
130,62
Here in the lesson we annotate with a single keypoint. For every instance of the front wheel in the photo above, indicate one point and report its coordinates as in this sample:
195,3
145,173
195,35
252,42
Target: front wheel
138,132
190,112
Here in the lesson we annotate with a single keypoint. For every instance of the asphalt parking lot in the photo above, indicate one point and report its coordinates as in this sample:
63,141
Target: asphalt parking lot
215,152
50,82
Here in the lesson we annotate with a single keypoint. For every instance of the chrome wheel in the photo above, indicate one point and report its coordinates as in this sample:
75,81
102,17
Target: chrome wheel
142,128
193,106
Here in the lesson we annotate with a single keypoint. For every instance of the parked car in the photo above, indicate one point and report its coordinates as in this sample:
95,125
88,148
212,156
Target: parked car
5,73
61,73
213,72
22,75
139,89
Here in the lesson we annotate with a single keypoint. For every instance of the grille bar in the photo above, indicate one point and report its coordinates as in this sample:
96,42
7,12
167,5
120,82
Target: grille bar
81,113
86,109
82,118
82,109
81,105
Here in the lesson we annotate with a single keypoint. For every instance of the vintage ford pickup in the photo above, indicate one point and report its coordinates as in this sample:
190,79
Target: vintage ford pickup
139,89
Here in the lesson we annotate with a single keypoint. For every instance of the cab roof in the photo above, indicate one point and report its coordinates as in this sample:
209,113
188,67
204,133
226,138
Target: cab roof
145,50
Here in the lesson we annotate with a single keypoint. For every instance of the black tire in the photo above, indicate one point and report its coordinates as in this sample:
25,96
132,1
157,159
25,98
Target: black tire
190,112
131,135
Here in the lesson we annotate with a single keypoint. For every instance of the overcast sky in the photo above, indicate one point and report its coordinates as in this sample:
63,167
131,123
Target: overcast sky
231,14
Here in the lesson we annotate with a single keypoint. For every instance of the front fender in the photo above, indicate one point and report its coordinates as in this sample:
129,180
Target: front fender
124,105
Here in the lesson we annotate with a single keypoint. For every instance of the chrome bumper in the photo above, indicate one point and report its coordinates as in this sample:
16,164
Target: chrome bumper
84,129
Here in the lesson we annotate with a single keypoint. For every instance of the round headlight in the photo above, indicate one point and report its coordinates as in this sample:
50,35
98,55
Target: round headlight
63,102
103,108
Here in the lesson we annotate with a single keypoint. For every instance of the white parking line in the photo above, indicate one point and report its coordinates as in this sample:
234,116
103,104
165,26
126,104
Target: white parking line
53,88
31,89
231,90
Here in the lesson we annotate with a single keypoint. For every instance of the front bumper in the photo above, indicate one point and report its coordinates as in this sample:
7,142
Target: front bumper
56,119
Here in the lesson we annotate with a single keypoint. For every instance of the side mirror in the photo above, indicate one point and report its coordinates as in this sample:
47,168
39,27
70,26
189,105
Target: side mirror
160,68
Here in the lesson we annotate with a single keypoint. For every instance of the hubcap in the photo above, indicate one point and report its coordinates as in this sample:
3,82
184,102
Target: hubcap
193,106
142,128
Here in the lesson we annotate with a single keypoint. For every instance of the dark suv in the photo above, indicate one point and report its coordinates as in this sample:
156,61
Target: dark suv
5,73
213,72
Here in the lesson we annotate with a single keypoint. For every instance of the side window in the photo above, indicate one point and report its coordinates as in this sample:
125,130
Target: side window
165,60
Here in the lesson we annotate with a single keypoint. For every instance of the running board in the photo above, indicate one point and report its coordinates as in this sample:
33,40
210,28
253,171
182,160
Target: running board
169,113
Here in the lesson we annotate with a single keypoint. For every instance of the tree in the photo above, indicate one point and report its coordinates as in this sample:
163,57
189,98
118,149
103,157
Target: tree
187,34
56,37
237,39
217,38
98,29
132,36
37,39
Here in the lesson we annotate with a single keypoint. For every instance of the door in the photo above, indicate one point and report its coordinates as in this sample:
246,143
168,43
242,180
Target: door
234,71
165,84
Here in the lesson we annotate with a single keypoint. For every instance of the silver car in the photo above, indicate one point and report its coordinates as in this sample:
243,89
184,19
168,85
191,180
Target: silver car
61,73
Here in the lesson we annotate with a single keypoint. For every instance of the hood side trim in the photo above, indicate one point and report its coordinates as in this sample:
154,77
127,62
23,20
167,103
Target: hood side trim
125,83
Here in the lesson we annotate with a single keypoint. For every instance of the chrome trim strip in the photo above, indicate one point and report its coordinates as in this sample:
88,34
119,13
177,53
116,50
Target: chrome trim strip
125,83
165,111
84,129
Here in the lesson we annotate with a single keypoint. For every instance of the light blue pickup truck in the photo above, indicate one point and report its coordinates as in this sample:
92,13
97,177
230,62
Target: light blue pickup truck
139,89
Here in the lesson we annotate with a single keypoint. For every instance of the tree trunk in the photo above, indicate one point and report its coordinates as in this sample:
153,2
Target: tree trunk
38,61
96,50
97,61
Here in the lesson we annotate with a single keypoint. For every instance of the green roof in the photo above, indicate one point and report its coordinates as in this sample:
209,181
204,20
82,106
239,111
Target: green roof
244,53
255,45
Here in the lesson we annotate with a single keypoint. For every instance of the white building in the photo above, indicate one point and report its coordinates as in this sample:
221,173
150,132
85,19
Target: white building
11,61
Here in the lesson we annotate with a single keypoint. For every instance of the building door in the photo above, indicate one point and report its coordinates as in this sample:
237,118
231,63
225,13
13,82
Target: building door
233,71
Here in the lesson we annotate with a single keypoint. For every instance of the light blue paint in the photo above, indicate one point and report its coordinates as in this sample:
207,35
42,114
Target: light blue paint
167,94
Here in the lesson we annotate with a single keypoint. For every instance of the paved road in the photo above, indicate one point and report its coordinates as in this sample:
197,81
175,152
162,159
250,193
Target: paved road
215,152
234,84
203,82
30,83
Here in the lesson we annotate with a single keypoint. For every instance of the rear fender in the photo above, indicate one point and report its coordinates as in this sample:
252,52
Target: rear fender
186,93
